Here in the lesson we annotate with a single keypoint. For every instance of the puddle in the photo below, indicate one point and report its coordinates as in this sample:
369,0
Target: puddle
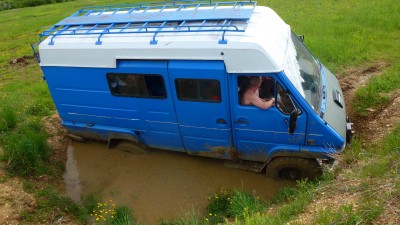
158,185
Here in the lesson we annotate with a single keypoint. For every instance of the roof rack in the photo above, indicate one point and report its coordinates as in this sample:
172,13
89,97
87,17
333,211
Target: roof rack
172,17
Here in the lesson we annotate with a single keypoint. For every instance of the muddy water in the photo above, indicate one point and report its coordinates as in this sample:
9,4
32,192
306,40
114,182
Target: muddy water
158,185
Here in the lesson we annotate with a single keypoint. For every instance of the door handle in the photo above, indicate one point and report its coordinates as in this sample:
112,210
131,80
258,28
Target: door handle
221,121
242,121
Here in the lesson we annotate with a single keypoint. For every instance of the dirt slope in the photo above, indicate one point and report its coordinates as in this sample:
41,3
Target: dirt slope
14,200
371,128
379,122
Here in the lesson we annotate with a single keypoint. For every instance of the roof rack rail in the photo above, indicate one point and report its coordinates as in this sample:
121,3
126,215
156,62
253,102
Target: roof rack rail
169,17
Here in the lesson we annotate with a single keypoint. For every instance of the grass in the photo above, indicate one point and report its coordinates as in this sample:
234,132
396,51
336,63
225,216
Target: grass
225,205
26,150
13,4
51,206
342,34
344,215
8,118
232,204
378,91
374,179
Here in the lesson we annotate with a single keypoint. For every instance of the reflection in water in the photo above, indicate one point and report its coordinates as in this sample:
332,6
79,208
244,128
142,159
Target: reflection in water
158,185
71,176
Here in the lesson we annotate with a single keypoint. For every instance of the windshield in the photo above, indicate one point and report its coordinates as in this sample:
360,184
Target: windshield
303,71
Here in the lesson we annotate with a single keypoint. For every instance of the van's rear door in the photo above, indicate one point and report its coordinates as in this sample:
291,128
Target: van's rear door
200,94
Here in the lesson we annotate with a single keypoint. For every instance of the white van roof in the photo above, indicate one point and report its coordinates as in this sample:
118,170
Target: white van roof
248,38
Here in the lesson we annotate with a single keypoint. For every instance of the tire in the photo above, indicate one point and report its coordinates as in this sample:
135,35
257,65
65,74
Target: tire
132,147
293,168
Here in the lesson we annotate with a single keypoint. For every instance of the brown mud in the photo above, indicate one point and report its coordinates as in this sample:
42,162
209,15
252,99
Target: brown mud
379,122
13,200
158,185
23,61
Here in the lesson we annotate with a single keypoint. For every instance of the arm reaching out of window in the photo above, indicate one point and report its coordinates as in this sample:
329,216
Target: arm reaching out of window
251,95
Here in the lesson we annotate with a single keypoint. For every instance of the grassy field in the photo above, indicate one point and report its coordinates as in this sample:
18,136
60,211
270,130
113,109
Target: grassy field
346,36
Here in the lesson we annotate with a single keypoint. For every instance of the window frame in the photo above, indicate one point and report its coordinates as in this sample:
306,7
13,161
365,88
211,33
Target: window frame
296,106
108,78
274,81
179,97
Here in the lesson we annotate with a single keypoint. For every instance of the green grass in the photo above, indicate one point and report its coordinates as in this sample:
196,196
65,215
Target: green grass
123,216
190,218
342,34
26,150
378,91
8,118
344,215
51,206
232,204
13,4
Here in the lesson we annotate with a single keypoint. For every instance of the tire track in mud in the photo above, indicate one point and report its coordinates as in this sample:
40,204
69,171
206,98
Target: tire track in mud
379,122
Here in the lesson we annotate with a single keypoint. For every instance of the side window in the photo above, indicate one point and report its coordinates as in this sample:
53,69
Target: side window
283,100
266,89
202,90
136,85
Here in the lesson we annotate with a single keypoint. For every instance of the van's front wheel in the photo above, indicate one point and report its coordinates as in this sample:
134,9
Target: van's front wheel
293,168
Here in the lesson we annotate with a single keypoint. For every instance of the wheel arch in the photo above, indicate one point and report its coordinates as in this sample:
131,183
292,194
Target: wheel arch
114,138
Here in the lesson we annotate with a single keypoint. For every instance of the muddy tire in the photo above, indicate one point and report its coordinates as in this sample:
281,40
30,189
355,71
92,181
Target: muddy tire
293,168
132,147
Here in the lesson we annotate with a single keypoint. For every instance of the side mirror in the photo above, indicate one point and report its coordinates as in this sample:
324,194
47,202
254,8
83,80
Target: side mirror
293,121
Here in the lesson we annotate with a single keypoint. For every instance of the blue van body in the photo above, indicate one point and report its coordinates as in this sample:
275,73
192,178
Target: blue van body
87,108
193,105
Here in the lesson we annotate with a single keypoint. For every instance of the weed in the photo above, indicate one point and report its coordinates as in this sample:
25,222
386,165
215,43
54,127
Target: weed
341,33
123,216
50,205
243,204
29,186
218,209
235,204
104,211
344,215
88,204
25,151
284,194
370,209
109,213
10,4
353,151
190,218
8,118
377,92
295,201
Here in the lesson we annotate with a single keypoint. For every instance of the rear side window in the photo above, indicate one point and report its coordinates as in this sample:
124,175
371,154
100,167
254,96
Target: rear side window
201,90
136,85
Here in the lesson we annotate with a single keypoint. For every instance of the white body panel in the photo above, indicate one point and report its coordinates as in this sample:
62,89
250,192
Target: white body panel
262,48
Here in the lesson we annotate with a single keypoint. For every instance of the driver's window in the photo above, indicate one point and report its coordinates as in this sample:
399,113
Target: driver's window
265,91
283,100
